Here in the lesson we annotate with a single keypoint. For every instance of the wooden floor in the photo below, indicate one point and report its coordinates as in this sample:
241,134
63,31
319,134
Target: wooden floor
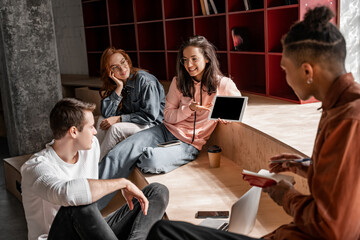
293,124
216,189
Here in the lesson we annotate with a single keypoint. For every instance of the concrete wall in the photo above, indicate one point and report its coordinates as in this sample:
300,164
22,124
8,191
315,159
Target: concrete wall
29,72
70,36
350,28
70,41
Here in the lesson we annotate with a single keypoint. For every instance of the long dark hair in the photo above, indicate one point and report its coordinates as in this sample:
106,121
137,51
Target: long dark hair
108,85
212,74
315,39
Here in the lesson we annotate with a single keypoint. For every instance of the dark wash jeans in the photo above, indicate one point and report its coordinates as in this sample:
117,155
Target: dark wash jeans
86,222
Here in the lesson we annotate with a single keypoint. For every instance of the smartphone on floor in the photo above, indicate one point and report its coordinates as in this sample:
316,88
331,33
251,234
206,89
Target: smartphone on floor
169,143
212,214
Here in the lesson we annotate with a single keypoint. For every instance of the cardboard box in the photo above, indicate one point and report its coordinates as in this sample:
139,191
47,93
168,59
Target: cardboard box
89,95
12,174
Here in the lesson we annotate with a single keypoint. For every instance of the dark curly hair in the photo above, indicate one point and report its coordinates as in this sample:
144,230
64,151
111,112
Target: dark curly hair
315,39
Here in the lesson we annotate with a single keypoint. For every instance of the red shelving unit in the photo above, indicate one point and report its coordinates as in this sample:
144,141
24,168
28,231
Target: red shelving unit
248,72
152,31
150,36
97,38
277,27
126,15
119,41
214,29
146,10
177,9
254,23
92,9
177,31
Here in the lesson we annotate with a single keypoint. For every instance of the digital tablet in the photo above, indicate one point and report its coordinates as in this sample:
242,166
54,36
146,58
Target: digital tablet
230,108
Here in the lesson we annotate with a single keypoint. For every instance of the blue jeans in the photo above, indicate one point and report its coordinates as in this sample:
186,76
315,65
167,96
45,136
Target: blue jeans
86,222
141,149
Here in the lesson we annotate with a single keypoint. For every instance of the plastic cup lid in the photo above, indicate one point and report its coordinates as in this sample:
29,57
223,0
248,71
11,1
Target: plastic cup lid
214,149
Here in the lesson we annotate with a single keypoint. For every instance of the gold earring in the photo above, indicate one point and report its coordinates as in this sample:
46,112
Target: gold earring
309,81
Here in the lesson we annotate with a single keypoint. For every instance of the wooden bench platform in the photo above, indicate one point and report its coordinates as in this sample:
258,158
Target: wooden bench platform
196,186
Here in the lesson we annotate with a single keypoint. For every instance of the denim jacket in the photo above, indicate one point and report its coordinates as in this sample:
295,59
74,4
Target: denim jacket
144,103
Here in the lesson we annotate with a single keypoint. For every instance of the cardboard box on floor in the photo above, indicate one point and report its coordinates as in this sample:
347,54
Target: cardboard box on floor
12,174
89,95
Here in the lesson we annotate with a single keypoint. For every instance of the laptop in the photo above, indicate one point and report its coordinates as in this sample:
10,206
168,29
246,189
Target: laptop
242,216
230,108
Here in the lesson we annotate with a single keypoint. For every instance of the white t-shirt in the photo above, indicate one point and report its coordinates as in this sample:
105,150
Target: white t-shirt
48,183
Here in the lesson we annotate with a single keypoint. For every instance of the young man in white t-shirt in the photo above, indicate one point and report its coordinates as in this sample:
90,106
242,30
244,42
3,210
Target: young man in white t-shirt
60,185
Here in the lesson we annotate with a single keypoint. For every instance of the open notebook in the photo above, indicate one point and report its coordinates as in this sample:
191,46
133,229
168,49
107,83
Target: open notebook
242,216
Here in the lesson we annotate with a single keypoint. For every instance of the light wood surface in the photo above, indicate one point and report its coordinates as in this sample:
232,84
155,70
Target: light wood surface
294,124
195,186
251,149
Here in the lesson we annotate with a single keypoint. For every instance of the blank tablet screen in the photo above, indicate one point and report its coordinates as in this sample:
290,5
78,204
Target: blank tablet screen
228,108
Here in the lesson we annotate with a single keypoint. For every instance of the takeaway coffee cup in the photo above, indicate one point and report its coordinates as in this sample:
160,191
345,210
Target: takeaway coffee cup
214,153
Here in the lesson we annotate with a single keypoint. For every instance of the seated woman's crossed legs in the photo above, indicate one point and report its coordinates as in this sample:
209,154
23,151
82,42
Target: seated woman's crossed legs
116,133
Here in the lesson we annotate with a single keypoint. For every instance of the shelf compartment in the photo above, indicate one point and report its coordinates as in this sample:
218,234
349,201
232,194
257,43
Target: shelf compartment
220,6
177,9
151,36
278,3
148,10
97,39
171,60
154,63
214,29
277,27
253,23
134,58
94,64
124,37
94,13
278,86
248,72
223,61
120,11
177,32
236,5
197,8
